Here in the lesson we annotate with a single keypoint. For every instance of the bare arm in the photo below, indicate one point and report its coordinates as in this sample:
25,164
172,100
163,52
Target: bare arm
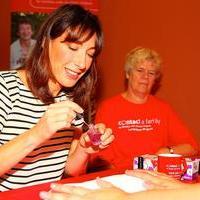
58,116
82,148
183,149
192,191
108,191
65,192
15,150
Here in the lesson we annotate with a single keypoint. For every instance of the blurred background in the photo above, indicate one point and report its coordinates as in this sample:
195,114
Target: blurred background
171,27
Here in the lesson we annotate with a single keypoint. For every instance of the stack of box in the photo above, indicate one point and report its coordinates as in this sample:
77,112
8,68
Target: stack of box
150,162
192,169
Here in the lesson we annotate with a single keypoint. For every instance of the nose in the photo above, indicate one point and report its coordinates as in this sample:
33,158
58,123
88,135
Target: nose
145,74
81,60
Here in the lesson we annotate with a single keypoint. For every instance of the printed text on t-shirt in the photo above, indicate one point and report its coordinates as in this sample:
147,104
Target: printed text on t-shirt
139,124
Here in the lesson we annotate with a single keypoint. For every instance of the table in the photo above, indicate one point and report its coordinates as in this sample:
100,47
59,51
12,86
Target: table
32,192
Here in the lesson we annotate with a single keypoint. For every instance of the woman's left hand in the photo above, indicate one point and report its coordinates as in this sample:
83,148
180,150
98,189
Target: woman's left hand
65,192
106,138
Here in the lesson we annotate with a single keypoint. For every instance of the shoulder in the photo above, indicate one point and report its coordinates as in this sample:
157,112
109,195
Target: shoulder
159,103
8,77
33,41
112,99
9,81
15,44
8,87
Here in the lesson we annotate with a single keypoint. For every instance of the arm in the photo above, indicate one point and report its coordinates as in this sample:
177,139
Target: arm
183,149
77,159
163,186
180,139
174,191
192,191
20,147
57,116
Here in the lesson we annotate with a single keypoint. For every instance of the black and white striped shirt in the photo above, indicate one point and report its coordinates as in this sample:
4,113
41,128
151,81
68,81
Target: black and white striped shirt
20,111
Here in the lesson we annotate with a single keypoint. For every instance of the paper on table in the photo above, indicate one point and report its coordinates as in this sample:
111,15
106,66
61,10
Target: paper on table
127,183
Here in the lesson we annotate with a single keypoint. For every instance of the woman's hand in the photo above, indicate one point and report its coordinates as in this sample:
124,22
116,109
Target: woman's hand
58,116
66,192
156,180
106,138
82,147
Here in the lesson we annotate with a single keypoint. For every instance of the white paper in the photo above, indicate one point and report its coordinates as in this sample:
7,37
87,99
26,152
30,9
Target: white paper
127,183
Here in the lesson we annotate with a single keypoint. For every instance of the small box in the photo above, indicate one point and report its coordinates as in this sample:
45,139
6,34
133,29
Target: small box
147,161
192,169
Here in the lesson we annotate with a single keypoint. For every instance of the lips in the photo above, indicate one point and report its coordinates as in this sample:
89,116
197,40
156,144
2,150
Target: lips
71,74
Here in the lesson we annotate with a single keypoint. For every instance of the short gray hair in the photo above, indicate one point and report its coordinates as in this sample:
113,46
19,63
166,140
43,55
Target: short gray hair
140,54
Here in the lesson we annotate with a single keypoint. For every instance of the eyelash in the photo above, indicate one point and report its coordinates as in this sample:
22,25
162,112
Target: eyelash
91,56
75,49
150,72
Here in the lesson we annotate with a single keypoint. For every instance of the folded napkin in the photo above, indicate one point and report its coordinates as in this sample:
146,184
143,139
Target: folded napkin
127,183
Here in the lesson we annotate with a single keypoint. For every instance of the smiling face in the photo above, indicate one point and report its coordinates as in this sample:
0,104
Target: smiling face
69,61
25,31
142,78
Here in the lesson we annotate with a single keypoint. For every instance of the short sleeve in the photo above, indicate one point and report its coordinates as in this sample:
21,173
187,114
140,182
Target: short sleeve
5,102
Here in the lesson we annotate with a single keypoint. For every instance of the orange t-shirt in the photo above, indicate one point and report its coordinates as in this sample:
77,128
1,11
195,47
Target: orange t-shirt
140,129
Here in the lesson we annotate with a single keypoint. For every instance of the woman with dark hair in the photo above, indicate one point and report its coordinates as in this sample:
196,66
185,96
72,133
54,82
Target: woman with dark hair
41,137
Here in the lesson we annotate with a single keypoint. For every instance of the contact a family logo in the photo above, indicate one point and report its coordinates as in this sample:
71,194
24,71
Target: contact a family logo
139,124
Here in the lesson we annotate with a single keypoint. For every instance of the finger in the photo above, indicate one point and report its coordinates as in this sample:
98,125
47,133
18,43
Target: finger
107,133
54,115
67,104
100,127
85,139
63,116
61,125
53,196
144,174
106,142
69,189
103,184
58,196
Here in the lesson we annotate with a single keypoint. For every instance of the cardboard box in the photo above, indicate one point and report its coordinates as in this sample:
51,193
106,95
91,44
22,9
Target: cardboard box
192,169
149,162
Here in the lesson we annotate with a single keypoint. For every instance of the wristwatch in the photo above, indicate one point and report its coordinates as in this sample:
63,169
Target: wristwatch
171,150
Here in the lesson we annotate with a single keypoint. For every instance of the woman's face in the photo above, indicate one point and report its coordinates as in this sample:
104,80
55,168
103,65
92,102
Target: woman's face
142,78
69,61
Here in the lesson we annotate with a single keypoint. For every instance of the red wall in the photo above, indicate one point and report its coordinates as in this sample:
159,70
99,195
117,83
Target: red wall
4,33
171,27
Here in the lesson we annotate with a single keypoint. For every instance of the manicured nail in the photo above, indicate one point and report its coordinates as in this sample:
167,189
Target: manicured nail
43,195
53,185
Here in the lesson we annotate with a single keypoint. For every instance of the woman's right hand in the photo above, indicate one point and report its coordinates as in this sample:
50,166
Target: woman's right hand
156,180
58,116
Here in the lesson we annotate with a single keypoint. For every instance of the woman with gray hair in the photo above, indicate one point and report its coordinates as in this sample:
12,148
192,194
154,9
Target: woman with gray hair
141,122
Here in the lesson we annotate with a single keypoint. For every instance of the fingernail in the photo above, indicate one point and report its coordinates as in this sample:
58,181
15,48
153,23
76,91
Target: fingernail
43,195
53,185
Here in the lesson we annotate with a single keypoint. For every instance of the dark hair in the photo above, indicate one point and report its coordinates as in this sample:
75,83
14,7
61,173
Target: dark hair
23,20
80,25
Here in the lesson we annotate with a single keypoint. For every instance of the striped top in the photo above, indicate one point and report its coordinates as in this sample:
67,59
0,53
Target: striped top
20,111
